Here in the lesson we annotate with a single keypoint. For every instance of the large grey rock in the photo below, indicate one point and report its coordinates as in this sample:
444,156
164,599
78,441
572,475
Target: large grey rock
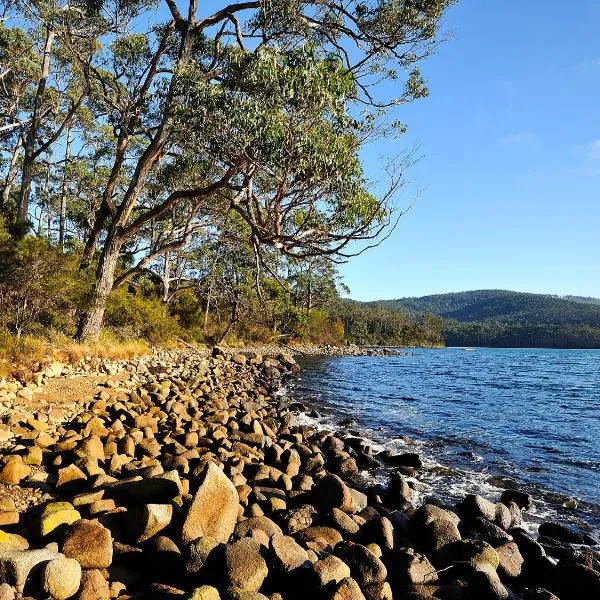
245,568
365,567
61,578
331,492
347,589
18,567
214,509
413,568
89,543
287,554
330,568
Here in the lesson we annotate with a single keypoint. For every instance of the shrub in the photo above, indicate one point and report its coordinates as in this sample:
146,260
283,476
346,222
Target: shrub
134,316
39,285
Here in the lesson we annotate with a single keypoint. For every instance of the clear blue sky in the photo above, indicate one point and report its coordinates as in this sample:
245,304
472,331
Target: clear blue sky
510,176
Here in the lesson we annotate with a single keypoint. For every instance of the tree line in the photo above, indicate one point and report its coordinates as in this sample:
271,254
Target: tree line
172,168
501,334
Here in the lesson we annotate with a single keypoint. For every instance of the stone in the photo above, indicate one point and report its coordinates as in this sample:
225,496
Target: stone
399,492
18,567
477,506
243,528
576,581
25,393
12,541
331,492
6,592
330,568
34,456
234,593
14,472
291,461
439,533
90,543
93,586
344,522
559,532
347,589
57,515
71,479
428,513
245,568
92,447
61,578
482,529
205,592
521,499
214,509
511,560
379,531
503,516
411,567
528,547
378,591
365,567
330,535
407,459
9,517
299,518
478,554
153,490
153,518
287,554
200,551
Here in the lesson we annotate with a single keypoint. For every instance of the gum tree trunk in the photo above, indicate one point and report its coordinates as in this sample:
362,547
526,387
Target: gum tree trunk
12,171
63,195
91,321
32,135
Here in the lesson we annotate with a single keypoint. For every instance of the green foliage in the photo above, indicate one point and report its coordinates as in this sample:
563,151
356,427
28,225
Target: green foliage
503,305
377,325
39,286
132,315
502,318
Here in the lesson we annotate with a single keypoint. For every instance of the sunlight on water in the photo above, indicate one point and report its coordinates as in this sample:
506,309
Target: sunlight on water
502,416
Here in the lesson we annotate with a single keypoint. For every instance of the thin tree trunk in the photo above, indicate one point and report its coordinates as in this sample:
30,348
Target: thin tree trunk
31,139
91,320
12,171
166,277
63,194
309,291
45,202
92,239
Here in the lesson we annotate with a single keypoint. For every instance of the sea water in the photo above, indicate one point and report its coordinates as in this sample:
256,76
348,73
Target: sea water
498,418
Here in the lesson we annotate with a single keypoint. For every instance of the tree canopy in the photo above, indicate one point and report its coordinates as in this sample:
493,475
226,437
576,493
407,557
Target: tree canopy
133,132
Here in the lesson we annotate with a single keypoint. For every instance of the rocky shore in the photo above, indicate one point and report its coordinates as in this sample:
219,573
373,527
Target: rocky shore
327,350
183,476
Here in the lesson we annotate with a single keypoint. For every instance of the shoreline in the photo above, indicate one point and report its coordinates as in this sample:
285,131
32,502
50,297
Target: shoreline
281,513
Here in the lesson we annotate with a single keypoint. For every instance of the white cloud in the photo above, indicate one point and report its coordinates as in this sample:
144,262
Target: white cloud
522,137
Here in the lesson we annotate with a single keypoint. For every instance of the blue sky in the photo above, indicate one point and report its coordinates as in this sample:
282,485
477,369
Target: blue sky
507,194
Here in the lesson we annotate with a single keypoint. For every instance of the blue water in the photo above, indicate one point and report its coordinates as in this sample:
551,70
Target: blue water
531,416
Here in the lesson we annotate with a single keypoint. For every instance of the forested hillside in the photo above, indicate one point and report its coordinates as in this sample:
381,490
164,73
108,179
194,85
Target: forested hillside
484,305
505,318
185,169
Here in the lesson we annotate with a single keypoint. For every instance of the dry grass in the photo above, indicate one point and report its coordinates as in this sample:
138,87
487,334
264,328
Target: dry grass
28,353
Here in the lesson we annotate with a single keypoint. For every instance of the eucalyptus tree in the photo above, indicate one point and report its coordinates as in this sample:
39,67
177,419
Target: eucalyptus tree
18,69
256,107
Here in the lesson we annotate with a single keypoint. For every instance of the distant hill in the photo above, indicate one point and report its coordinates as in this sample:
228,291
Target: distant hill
514,307
513,319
